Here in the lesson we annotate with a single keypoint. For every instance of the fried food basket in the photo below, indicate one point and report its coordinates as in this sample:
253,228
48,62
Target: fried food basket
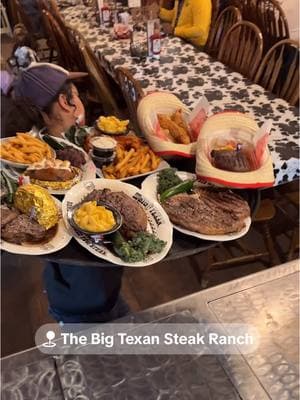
162,103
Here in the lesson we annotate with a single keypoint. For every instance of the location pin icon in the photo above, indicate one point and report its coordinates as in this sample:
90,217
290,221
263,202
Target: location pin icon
50,335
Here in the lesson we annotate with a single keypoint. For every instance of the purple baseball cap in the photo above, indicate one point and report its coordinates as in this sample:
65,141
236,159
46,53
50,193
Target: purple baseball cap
40,83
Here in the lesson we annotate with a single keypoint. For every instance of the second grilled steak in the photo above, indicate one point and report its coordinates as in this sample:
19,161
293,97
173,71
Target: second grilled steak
22,229
208,211
70,153
134,217
7,215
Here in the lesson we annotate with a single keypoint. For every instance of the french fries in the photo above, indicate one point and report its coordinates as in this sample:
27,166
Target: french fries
24,148
133,157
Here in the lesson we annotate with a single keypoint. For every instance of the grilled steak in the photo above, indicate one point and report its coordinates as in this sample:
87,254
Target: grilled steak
23,229
69,153
7,215
231,160
134,217
209,211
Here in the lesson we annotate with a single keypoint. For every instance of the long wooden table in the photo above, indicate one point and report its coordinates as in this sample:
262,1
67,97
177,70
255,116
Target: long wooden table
189,74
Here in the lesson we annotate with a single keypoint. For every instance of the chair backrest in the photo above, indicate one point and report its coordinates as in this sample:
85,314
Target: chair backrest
228,17
54,7
54,10
60,41
74,38
272,22
248,9
132,92
216,5
46,24
22,16
241,48
279,71
43,5
98,77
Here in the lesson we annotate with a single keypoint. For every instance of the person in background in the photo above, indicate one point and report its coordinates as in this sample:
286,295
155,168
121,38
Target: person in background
6,80
75,294
21,38
191,19
21,58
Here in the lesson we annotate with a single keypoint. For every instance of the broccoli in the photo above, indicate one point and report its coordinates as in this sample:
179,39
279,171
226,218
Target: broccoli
167,178
137,249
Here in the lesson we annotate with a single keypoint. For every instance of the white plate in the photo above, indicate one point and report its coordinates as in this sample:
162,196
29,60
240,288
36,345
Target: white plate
13,163
88,173
58,242
149,188
88,170
162,165
158,221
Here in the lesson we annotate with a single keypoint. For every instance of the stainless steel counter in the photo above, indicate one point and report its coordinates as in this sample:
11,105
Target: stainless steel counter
269,300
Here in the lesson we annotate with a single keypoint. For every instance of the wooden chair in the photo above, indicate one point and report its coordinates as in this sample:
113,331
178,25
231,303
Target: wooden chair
287,198
272,22
248,9
74,38
60,42
52,13
54,10
132,92
294,244
241,48
215,10
21,15
54,7
98,77
51,42
43,5
228,17
279,71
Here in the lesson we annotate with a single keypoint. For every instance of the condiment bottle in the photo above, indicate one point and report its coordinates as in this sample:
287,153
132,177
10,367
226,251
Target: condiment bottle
155,41
133,42
105,15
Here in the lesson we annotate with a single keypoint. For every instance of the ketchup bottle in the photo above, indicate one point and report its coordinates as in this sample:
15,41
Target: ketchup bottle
155,41
105,15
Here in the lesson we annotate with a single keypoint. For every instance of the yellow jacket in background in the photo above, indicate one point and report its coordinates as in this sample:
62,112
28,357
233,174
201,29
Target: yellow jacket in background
193,22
